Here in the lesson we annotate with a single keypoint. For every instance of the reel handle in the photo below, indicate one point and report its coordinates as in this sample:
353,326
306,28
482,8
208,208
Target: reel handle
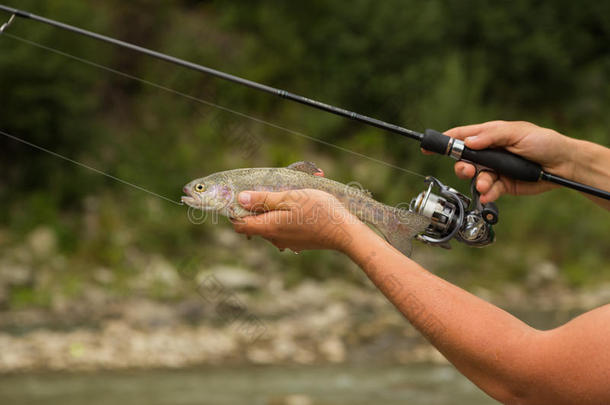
490,213
501,161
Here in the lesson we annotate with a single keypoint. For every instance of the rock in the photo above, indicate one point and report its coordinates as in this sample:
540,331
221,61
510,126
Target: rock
309,293
332,349
95,296
542,275
426,353
593,297
157,272
293,399
161,270
149,314
21,254
4,296
302,356
232,278
59,302
514,296
256,258
260,356
42,242
15,274
103,275
227,237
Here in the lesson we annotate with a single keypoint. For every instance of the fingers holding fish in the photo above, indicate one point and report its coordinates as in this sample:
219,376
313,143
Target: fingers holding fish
272,225
277,227
258,224
316,222
262,201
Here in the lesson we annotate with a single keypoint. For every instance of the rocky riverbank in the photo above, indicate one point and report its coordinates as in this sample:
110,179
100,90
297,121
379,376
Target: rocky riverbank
227,320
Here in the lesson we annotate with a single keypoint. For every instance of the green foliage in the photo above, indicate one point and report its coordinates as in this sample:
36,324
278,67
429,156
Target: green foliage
438,64
47,100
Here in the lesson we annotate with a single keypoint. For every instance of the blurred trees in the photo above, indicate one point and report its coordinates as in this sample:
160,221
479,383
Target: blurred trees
434,64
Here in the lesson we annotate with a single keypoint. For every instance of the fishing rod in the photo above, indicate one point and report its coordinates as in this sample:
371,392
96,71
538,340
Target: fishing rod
452,214
501,161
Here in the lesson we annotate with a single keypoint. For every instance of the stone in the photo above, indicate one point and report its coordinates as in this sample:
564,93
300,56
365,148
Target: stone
332,349
42,241
14,274
296,399
542,275
103,275
231,277
158,271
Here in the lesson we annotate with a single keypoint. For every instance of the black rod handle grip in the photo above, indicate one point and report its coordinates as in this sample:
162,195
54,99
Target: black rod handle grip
501,161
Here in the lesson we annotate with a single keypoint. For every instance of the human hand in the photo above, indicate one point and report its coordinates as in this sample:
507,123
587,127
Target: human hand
298,219
541,145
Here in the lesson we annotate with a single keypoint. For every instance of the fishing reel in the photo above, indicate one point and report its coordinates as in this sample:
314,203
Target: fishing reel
454,215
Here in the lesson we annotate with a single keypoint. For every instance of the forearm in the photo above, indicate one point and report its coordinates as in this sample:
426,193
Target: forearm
488,345
509,360
591,166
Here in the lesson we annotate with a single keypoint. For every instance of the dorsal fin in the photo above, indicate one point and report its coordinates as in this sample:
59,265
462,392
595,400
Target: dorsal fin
306,167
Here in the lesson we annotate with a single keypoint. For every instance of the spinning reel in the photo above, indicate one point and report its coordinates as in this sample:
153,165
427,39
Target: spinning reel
454,215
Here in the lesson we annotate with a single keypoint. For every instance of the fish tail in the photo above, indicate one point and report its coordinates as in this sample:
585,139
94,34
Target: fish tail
399,226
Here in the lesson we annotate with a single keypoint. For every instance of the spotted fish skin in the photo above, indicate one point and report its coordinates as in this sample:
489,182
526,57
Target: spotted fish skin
218,192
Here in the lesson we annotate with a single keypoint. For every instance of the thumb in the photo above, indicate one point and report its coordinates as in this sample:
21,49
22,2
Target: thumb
494,134
261,201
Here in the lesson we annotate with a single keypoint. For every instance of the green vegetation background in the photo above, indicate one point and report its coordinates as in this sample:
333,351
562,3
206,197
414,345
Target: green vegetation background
434,64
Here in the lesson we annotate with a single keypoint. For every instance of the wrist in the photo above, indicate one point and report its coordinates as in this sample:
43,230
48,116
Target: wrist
589,163
350,235
358,239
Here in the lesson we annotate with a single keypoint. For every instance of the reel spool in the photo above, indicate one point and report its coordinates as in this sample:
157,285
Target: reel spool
454,215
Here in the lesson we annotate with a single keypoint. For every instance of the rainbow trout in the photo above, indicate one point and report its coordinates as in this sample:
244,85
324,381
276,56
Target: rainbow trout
218,192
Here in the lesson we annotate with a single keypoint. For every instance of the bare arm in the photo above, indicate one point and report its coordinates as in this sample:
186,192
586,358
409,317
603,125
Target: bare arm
506,358
509,360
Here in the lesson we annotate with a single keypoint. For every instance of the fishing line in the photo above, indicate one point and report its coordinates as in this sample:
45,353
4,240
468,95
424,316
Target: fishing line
93,169
499,160
205,102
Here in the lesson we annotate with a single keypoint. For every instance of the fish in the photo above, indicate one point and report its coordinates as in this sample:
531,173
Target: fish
218,192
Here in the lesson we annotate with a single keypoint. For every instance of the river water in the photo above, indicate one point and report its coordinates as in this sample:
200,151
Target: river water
312,385
354,384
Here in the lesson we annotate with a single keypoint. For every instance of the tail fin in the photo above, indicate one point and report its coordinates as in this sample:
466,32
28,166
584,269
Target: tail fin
399,226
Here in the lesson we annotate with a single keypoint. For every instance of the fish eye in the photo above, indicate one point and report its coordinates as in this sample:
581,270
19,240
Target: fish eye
199,188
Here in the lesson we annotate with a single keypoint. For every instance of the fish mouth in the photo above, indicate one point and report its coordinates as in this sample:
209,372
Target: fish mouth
191,200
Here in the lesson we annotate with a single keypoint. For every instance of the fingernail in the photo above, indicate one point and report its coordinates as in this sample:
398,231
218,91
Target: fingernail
244,198
471,139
